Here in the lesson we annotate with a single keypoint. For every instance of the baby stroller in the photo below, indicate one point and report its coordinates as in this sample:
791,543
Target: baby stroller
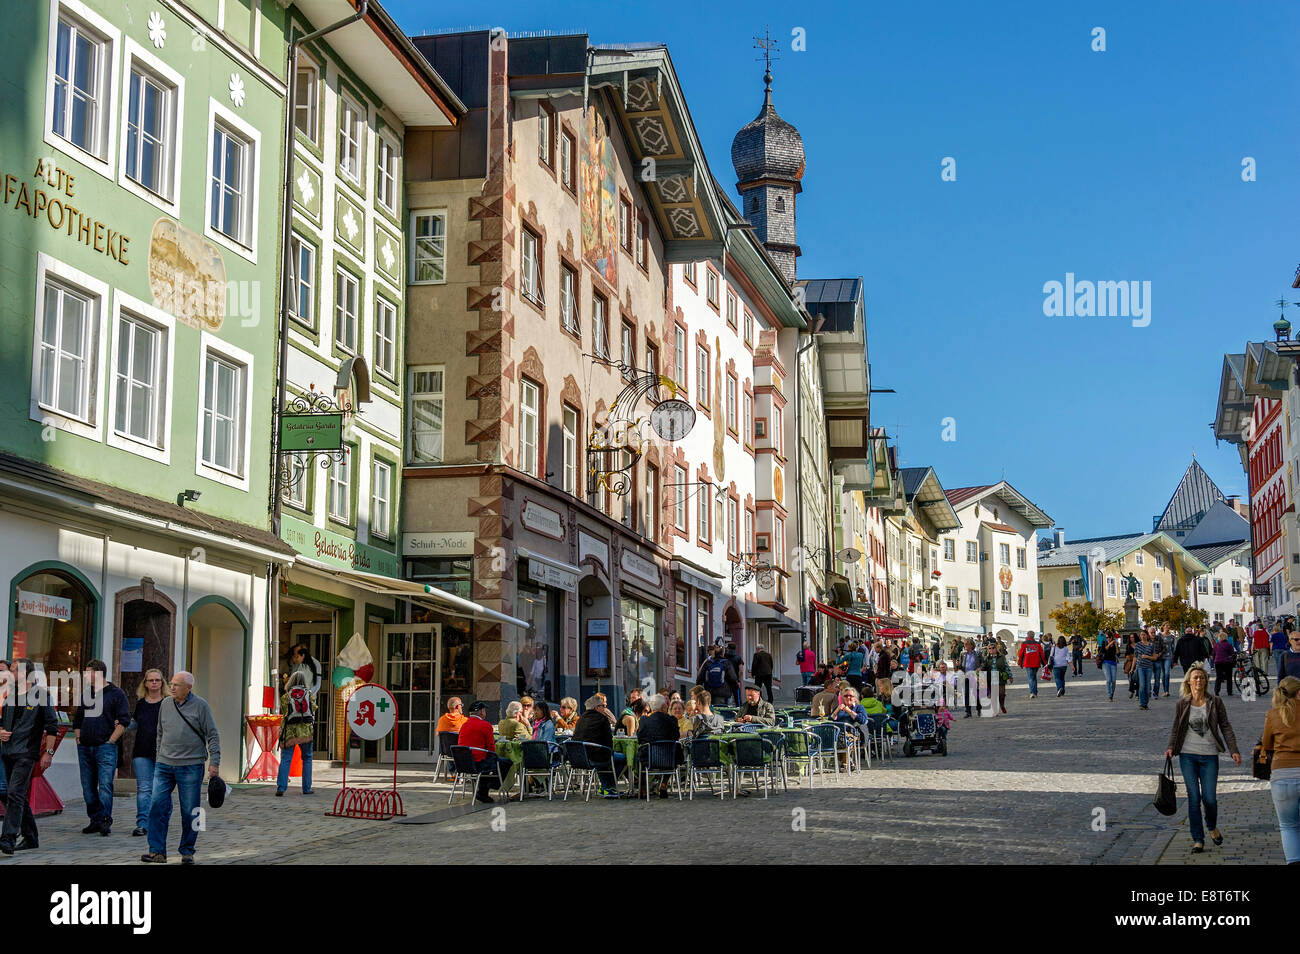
921,731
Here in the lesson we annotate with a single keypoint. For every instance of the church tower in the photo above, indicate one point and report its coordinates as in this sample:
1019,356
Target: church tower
768,158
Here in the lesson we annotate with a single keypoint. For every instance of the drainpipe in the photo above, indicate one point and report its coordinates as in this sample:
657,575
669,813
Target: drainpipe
286,271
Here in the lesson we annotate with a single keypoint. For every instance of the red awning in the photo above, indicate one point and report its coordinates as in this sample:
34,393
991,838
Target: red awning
842,616
892,632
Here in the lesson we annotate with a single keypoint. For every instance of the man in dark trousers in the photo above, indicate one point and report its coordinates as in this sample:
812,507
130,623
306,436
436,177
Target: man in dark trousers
733,657
596,724
28,731
719,676
760,668
101,719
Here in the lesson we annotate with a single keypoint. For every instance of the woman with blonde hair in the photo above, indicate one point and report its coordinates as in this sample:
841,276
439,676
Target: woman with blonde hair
144,753
1281,739
567,718
1201,731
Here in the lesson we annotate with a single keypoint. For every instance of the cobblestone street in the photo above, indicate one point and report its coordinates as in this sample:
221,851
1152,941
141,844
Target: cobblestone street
1022,788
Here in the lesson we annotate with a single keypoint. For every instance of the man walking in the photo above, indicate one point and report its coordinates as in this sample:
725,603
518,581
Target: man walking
1030,659
187,737
971,665
101,719
760,667
1188,650
1076,654
1165,644
29,730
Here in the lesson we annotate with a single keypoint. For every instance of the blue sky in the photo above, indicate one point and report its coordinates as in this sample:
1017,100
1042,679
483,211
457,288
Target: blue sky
1116,165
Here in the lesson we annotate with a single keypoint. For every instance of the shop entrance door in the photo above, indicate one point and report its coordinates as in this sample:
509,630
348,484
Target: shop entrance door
414,658
319,637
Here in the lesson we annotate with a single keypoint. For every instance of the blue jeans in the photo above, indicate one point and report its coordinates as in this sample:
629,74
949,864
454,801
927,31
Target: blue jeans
1058,673
1201,776
188,779
98,766
1109,669
1286,802
143,790
1033,680
1162,669
806,676
1144,684
286,762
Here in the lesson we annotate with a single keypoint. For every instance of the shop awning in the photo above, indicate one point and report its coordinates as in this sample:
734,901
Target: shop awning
893,632
842,616
421,593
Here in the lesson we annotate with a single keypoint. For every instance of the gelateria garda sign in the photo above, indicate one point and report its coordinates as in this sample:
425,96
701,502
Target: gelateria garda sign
336,549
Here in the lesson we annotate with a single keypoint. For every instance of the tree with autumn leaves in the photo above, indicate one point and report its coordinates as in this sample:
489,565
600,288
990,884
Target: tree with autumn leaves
1085,619
1175,611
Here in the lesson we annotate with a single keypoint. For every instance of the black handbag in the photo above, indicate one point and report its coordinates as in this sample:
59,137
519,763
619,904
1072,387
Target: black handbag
1261,762
1166,800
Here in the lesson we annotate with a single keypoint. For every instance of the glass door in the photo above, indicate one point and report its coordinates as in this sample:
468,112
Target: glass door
415,680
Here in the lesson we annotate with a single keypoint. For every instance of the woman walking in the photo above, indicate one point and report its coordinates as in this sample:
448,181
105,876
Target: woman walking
299,707
1200,732
1224,657
149,696
1108,653
1060,663
1281,739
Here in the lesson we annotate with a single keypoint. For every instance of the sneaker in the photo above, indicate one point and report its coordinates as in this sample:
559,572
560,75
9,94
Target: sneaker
1142,707
609,793
154,857
310,791
25,845
6,849
187,859
137,832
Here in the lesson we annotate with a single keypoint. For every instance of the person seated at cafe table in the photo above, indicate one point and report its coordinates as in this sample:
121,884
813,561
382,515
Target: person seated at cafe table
567,718
527,715
513,726
659,726
705,721
454,717
677,709
756,708
632,697
477,733
824,703
870,704
596,724
631,719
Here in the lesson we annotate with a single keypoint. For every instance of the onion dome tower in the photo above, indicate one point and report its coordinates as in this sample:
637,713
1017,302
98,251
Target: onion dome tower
768,157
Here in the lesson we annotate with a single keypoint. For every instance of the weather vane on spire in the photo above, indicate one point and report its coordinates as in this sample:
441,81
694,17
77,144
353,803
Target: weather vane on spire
769,48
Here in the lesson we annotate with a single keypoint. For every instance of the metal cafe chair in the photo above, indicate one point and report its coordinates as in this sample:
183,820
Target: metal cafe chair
659,759
539,760
801,748
778,744
750,756
445,741
828,738
704,761
877,728
582,761
468,771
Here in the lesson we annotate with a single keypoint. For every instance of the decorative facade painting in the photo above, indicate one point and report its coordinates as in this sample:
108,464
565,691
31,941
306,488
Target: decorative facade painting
599,200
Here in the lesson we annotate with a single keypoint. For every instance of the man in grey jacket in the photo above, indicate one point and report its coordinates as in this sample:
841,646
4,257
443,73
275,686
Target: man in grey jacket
187,737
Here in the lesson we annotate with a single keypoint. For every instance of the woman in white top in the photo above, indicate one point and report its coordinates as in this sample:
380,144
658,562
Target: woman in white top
1060,663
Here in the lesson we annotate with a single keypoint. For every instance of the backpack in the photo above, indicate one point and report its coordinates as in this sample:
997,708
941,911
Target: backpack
299,706
715,677
800,656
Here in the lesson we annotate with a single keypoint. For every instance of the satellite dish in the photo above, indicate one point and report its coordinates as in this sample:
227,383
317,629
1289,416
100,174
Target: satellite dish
672,419
849,555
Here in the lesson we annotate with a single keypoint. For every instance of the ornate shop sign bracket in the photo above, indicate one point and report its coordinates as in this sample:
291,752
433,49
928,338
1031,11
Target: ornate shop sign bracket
310,426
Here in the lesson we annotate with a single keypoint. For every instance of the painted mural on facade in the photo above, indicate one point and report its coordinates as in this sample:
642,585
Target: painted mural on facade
599,201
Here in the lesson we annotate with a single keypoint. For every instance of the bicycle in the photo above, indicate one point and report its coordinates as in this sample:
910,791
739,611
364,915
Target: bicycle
1244,669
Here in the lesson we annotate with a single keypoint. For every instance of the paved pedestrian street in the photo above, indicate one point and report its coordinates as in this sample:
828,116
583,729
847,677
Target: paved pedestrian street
1056,781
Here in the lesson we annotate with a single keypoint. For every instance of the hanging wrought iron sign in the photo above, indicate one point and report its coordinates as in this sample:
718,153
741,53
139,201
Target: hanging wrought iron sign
614,448
751,566
310,426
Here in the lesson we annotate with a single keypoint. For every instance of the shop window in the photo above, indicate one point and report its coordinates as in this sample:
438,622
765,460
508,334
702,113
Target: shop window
640,655
54,623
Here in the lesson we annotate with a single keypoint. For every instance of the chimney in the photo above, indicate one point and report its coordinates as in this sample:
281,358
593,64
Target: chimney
1058,537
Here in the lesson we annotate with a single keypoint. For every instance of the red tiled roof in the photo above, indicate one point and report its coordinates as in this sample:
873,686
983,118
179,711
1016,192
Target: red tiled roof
1001,527
966,493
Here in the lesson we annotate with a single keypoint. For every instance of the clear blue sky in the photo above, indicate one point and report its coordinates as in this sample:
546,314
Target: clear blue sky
1116,165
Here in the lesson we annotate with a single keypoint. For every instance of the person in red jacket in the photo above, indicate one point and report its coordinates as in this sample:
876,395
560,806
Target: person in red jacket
477,733
1030,659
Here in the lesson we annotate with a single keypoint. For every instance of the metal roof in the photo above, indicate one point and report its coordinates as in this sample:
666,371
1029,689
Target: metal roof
1195,494
1112,548
924,493
1215,553
1013,498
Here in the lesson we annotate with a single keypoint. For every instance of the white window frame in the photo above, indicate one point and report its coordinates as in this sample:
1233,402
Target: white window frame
382,305
973,601
253,138
96,351
312,106
732,387
749,327
566,159
650,521
155,69
950,597
679,358
1235,587
130,308
1022,604
703,512
1203,584
1110,587
949,550
1139,558
387,170
1004,554
681,521
569,429
102,159
354,348
529,448
416,238
1156,591
600,325
1216,587
384,500
569,299
303,462
748,403
1022,558
972,551
1005,602
343,463
702,394
296,246
530,268
1160,561
1138,594
413,398
210,344
345,162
